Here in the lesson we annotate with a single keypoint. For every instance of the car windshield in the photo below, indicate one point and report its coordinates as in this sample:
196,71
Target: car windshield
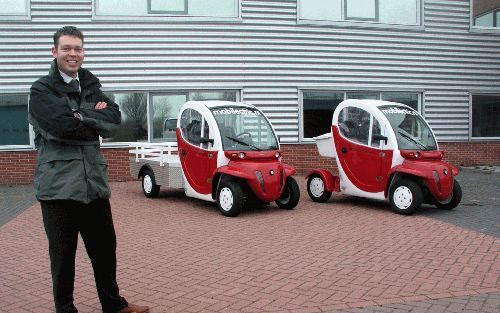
412,132
244,129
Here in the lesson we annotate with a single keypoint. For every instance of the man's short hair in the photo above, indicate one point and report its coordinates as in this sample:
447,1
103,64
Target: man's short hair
67,31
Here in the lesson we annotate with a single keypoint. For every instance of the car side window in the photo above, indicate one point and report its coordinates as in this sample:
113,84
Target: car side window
354,124
191,126
194,127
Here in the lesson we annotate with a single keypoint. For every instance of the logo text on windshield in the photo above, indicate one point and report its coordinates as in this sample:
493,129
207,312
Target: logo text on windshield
398,111
233,111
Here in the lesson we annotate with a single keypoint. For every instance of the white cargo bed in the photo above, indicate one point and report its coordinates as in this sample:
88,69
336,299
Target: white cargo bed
161,158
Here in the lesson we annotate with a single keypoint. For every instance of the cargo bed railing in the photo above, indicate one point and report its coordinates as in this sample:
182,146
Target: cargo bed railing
163,152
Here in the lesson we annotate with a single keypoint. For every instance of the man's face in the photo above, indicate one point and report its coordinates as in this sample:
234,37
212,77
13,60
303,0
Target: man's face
69,54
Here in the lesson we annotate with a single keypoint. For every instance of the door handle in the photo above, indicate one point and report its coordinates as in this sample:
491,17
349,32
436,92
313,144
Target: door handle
344,150
183,152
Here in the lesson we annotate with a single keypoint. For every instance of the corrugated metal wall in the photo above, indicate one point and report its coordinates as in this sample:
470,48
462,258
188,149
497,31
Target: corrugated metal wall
270,56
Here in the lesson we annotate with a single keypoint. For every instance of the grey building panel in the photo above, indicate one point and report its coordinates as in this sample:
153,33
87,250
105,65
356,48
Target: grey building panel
448,114
270,56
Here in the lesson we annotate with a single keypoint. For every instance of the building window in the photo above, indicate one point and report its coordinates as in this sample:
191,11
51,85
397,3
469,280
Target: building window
408,98
402,12
134,125
14,8
165,108
213,95
486,116
213,8
364,10
318,106
14,128
159,122
486,13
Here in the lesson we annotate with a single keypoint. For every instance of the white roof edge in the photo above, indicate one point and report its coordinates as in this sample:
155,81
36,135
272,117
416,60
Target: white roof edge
220,103
372,102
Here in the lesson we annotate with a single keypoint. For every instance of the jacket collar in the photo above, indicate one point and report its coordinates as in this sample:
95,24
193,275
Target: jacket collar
85,76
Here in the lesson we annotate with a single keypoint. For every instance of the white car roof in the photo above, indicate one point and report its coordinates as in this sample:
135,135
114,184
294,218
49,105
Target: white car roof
219,103
371,102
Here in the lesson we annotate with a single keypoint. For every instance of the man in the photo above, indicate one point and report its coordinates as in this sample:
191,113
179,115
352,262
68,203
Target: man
69,112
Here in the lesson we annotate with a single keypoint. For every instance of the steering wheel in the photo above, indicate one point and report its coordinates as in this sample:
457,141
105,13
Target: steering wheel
244,134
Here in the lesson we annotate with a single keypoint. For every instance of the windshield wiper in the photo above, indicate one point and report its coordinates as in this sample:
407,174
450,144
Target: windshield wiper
422,146
244,143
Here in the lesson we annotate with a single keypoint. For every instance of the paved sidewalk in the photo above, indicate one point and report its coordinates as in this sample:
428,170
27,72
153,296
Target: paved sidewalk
348,255
14,199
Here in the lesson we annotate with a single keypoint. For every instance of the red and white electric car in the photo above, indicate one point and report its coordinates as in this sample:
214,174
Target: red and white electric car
226,152
384,150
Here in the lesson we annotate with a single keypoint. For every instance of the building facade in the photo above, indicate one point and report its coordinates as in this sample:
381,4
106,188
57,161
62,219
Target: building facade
294,59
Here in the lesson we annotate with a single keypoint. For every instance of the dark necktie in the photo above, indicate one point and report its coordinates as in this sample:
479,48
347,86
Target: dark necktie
75,84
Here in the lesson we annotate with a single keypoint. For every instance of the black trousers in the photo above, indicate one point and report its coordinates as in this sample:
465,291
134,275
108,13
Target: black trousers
63,220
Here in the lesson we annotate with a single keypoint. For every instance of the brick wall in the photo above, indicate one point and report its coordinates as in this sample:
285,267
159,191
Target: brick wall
18,167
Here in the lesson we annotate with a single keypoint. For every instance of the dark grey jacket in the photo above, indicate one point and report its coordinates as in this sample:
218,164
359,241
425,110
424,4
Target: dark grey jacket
70,165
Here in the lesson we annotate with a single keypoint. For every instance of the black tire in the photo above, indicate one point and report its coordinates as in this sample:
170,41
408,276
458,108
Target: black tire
230,198
455,199
405,196
290,195
316,189
149,186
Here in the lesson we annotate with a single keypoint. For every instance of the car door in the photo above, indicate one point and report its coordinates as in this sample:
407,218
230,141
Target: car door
359,156
198,158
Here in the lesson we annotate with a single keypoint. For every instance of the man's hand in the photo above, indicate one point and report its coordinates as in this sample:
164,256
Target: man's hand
100,105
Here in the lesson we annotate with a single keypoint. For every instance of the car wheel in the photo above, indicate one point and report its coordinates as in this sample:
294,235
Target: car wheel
149,186
454,200
405,196
316,189
290,195
230,198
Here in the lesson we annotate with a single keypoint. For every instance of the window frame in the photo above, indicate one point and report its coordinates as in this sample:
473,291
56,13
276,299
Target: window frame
364,23
18,17
173,15
483,29
301,126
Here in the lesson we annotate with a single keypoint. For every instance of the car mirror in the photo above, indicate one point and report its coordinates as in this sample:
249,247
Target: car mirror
380,137
206,140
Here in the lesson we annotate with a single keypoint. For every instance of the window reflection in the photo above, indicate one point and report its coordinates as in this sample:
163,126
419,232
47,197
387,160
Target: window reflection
486,13
318,106
14,7
165,111
318,110
486,116
134,125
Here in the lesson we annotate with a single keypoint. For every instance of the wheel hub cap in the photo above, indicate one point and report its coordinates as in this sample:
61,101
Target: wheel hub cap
226,199
147,183
317,187
403,197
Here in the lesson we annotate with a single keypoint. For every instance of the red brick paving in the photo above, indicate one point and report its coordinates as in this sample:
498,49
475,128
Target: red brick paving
180,255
